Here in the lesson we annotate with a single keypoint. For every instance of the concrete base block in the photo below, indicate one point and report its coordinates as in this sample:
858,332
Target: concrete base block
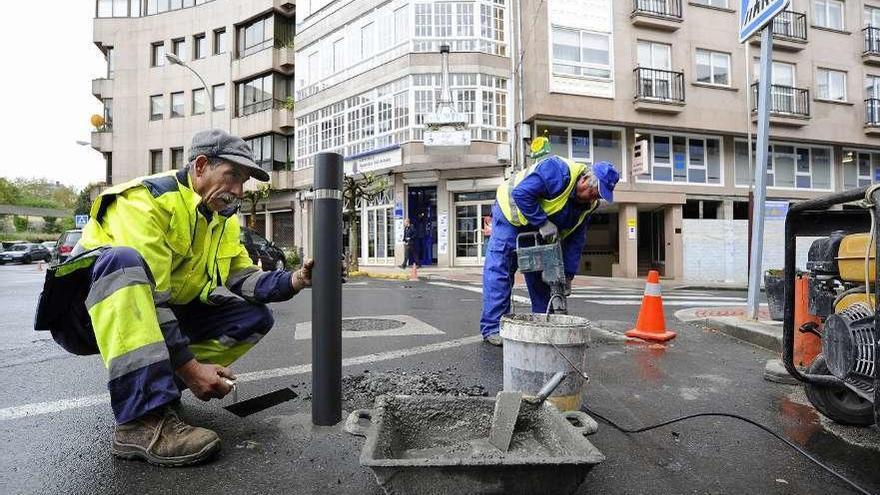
774,371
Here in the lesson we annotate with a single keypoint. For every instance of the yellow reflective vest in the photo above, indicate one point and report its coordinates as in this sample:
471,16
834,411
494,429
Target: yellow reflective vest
159,216
504,196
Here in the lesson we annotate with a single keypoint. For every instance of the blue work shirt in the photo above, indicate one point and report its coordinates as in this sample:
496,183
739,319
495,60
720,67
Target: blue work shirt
548,180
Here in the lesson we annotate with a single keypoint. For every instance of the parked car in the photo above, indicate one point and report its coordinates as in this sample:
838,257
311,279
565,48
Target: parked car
65,244
50,245
25,253
4,245
261,249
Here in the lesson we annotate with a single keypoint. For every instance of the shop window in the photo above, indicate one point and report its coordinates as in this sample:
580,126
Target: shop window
740,210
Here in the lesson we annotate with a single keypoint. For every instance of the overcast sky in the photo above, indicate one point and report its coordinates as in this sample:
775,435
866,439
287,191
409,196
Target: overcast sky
50,62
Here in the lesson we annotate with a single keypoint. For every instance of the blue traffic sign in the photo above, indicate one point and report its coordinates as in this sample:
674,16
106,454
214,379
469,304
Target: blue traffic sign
755,14
80,220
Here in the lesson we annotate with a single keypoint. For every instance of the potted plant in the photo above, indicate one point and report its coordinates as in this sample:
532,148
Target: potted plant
288,104
774,287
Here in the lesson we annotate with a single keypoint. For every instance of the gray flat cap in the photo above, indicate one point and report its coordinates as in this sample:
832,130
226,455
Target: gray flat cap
217,143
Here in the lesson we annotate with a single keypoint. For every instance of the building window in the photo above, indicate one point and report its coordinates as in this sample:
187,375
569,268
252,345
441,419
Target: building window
155,161
178,47
176,158
118,8
367,41
219,93
108,113
401,24
338,55
860,168
712,3
256,35
200,46
831,84
220,41
581,54
872,16
108,168
684,159
198,101
157,107
828,13
713,67
109,55
177,104
790,166
254,95
261,146
157,54
585,145
455,24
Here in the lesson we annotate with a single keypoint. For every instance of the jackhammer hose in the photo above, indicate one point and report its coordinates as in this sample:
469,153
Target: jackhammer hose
797,448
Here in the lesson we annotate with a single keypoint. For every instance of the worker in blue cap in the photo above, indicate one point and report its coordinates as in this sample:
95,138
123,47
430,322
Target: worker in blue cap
555,197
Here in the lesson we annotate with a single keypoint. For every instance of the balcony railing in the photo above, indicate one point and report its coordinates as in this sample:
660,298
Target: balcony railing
791,25
872,111
785,100
872,40
657,84
665,8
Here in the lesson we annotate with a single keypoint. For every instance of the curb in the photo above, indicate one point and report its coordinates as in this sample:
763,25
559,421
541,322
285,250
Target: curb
751,333
383,276
705,287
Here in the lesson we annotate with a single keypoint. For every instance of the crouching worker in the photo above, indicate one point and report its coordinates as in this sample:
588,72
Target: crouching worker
140,290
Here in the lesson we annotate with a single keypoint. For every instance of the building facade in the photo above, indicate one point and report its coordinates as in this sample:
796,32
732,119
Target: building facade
663,89
660,88
244,51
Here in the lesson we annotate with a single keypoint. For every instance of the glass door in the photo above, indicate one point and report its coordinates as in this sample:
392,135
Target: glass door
657,59
473,227
378,235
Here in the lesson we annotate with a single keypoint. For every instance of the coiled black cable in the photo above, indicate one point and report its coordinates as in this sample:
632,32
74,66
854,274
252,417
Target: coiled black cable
801,451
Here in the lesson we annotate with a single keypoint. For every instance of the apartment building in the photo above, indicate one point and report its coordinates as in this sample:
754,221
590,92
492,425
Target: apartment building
368,76
663,89
243,49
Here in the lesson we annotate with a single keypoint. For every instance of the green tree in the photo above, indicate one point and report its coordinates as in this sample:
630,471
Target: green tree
356,191
254,198
9,194
83,202
51,225
21,223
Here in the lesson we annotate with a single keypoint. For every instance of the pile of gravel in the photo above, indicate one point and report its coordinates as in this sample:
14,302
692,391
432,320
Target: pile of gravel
361,390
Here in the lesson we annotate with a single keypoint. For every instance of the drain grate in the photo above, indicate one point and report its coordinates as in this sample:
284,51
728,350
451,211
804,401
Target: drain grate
374,324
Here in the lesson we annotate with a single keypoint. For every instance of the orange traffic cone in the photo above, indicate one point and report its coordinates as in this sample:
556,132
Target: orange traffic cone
651,324
413,274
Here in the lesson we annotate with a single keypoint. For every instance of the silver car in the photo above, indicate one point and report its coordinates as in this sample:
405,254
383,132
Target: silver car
24,253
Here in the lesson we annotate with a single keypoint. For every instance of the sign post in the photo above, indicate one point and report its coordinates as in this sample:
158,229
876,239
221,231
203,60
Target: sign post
754,16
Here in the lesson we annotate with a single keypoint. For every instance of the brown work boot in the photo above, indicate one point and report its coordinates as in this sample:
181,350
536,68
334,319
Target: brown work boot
161,438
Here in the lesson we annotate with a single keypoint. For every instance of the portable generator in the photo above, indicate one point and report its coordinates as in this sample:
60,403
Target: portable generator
842,382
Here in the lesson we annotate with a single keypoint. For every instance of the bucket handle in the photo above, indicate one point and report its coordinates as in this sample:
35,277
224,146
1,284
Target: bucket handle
353,426
581,422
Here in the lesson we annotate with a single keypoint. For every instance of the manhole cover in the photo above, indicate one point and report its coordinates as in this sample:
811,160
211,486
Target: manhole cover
363,324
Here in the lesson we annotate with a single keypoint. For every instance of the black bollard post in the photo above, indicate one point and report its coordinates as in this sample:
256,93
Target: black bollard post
327,291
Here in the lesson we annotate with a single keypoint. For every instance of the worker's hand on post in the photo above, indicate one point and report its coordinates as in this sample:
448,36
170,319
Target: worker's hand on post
567,291
207,381
548,231
302,278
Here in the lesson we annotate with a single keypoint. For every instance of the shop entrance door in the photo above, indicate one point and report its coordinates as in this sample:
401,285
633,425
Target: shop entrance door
422,212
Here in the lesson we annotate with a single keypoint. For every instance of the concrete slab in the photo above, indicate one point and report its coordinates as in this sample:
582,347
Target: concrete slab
774,371
732,321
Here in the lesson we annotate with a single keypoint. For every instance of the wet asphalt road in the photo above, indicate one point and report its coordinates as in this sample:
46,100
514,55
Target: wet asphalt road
64,449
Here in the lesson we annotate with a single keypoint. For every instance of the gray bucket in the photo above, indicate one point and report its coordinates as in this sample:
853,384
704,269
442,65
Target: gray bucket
530,359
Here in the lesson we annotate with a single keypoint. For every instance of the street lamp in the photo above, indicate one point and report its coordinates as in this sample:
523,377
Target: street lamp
174,59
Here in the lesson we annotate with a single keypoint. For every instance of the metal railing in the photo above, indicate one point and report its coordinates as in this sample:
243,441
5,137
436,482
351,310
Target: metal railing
872,40
657,84
665,8
791,25
785,100
872,111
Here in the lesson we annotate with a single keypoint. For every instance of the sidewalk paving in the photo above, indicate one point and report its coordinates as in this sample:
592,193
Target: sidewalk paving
732,321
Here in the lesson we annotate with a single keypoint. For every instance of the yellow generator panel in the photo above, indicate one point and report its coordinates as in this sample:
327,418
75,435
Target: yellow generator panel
850,299
851,258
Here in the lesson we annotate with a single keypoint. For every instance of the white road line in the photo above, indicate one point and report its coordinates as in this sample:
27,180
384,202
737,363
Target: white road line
39,408
696,304
665,297
479,290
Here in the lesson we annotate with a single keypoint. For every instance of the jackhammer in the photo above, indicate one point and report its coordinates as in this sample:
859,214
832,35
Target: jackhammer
533,255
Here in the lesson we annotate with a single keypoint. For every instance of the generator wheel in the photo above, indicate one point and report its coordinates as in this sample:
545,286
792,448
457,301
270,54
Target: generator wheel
841,406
